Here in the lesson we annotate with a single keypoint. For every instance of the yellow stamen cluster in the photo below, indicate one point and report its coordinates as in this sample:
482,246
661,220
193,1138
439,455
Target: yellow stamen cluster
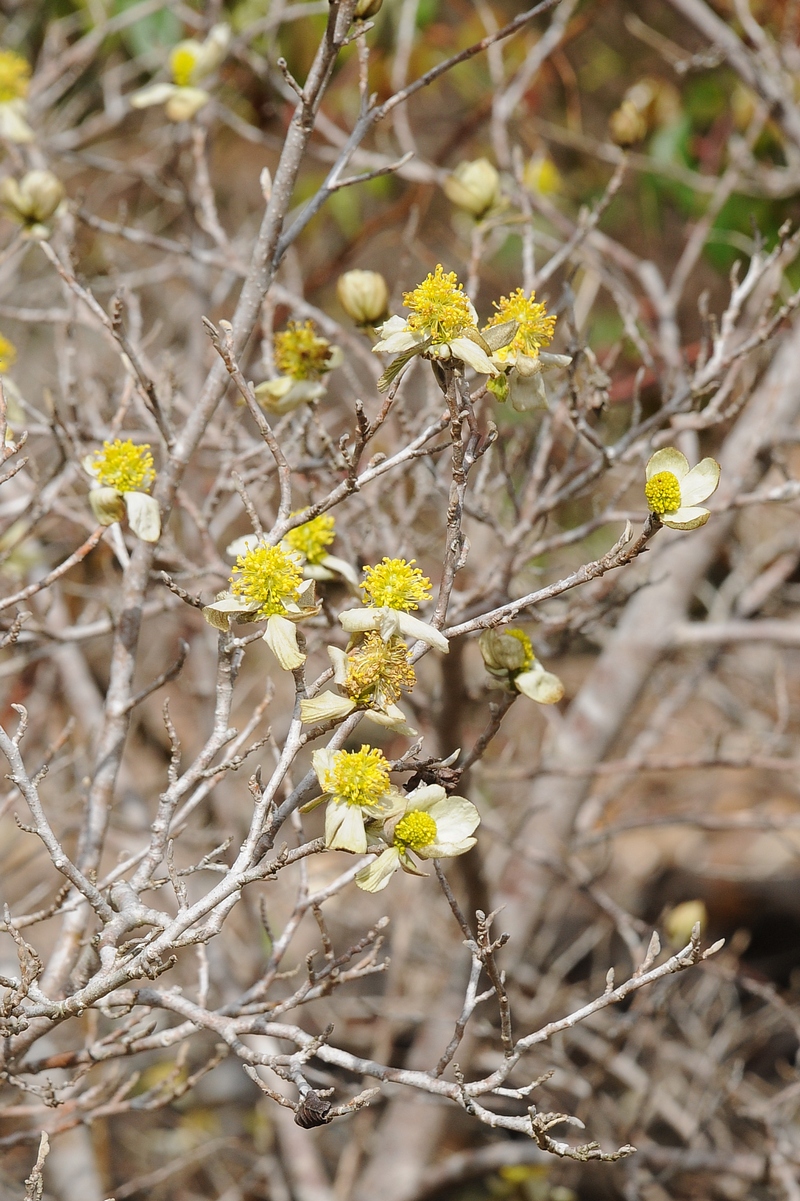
379,671
300,352
14,76
313,538
414,831
536,327
267,576
8,354
663,492
359,777
439,307
182,63
395,584
124,466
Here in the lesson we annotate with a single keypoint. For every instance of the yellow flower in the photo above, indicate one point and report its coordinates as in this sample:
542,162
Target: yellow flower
313,538
372,676
357,785
673,492
428,823
300,351
267,582
536,326
508,657
542,175
396,584
443,325
8,354
123,474
15,75
190,61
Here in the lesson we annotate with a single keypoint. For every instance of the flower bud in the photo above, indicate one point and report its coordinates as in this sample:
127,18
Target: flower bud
364,296
541,175
474,186
627,124
681,920
502,651
34,198
107,505
366,8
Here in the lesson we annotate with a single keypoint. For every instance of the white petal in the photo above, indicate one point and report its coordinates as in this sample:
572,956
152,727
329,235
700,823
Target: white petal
668,459
700,482
88,464
240,546
392,718
375,876
342,568
285,394
398,343
469,352
13,126
413,627
107,505
542,686
359,621
157,93
325,707
281,638
425,796
144,515
344,828
446,850
553,360
229,603
526,392
456,818
185,102
686,519
322,762
339,662
393,325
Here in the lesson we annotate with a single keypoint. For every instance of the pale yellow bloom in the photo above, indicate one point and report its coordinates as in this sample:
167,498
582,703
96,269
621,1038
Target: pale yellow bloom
674,492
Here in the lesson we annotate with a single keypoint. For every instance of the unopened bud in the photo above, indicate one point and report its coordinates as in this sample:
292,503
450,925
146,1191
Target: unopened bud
34,198
681,920
627,124
366,8
364,296
474,186
503,651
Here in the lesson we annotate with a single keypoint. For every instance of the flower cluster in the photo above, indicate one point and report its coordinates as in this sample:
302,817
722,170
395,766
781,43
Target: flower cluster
508,657
393,588
302,357
123,475
15,74
267,583
190,62
443,326
674,493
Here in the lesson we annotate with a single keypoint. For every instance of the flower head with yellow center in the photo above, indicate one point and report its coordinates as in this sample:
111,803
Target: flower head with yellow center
674,492
312,539
15,74
508,657
442,325
189,63
123,474
371,676
302,357
357,786
522,359
394,587
308,545
267,582
427,823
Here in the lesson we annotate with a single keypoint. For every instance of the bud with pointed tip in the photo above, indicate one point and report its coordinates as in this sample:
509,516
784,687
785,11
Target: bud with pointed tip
627,124
364,296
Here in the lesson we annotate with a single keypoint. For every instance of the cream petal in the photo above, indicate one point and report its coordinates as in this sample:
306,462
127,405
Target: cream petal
456,818
541,686
404,339
686,518
392,718
526,392
339,662
344,828
184,103
392,325
341,567
700,482
424,797
413,627
469,352
359,621
668,459
281,638
322,762
240,546
107,505
375,876
549,361
13,125
446,850
157,93
284,395
144,515
325,707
